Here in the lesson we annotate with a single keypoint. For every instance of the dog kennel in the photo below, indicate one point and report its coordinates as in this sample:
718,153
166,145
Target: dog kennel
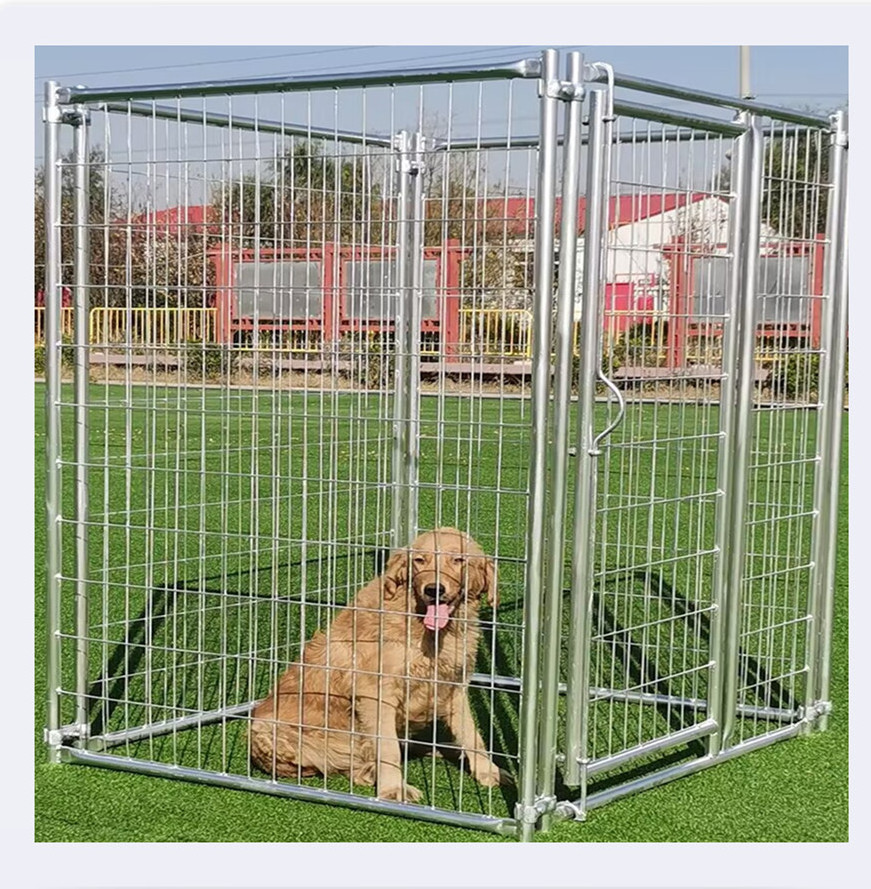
603,337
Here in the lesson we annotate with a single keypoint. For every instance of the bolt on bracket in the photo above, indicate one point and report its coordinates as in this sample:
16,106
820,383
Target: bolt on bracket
531,814
565,90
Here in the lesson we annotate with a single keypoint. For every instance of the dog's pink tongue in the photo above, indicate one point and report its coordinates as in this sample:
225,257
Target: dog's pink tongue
436,617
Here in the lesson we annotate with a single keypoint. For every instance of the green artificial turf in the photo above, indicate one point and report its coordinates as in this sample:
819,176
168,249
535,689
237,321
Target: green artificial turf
169,469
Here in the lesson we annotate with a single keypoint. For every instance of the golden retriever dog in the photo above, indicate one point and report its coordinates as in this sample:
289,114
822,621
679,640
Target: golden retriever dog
394,661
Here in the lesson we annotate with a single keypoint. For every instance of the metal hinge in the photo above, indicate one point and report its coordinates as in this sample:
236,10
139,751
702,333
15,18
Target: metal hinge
76,115
59,736
819,709
564,89
568,811
531,814
52,114
404,164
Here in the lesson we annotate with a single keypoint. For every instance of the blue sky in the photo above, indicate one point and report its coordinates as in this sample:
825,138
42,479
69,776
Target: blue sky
814,75
808,77
795,76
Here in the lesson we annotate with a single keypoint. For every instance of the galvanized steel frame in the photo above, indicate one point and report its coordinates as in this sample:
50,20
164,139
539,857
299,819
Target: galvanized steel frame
551,400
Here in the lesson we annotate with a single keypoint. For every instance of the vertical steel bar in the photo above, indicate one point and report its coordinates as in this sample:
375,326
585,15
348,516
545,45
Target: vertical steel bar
742,426
541,334
833,345
400,338
568,247
584,531
413,291
725,463
52,200
81,371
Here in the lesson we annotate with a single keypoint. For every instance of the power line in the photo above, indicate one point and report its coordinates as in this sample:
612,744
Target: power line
805,95
283,55
362,67
468,53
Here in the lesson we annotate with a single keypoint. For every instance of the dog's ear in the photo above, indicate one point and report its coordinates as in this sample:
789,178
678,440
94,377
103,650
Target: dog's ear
490,583
395,574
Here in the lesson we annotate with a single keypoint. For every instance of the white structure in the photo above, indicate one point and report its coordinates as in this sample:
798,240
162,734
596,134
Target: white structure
641,226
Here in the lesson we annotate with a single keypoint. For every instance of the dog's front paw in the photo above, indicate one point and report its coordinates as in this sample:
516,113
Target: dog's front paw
486,772
404,793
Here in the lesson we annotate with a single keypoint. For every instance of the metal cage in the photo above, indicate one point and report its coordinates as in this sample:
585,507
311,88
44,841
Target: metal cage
314,318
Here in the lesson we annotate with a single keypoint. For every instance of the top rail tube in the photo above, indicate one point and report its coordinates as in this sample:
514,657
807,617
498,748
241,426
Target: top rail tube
529,68
643,85
237,122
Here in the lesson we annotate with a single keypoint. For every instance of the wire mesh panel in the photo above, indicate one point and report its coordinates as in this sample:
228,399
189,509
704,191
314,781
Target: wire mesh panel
777,609
314,352
240,615
658,488
693,628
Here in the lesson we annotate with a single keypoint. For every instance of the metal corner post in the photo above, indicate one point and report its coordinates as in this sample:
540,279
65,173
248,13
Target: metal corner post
52,199
568,246
414,313
82,369
543,300
742,432
725,462
578,679
831,397
399,513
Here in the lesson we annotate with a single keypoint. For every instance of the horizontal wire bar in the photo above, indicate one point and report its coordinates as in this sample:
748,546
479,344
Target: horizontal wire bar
484,680
683,736
641,84
479,680
679,118
503,826
595,800
625,137
212,118
524,68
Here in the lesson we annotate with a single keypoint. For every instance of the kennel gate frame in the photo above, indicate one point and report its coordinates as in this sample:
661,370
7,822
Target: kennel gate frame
64,105
736,433
68,105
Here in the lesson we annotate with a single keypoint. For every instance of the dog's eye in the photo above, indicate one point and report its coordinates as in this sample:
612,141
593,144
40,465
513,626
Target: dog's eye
419,560
459,560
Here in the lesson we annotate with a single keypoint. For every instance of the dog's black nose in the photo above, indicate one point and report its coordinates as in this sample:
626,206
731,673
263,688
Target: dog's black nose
433,591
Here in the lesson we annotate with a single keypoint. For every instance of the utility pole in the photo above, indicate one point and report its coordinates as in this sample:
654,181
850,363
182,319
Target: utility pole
744,73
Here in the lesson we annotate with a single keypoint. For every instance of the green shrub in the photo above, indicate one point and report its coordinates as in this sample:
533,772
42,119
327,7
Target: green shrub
643,344
209,361
796,375
67,353
371,356
67,356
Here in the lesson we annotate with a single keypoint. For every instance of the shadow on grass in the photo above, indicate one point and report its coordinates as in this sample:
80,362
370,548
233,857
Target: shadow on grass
127,660
168,640
640,671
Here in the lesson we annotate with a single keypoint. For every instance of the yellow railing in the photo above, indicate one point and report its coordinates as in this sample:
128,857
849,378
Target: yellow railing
490,333
152,326
294,342
66,323
506,333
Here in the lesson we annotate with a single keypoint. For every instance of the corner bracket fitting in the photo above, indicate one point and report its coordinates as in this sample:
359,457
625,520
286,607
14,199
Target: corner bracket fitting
569,811
565,90
65,734
531,814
